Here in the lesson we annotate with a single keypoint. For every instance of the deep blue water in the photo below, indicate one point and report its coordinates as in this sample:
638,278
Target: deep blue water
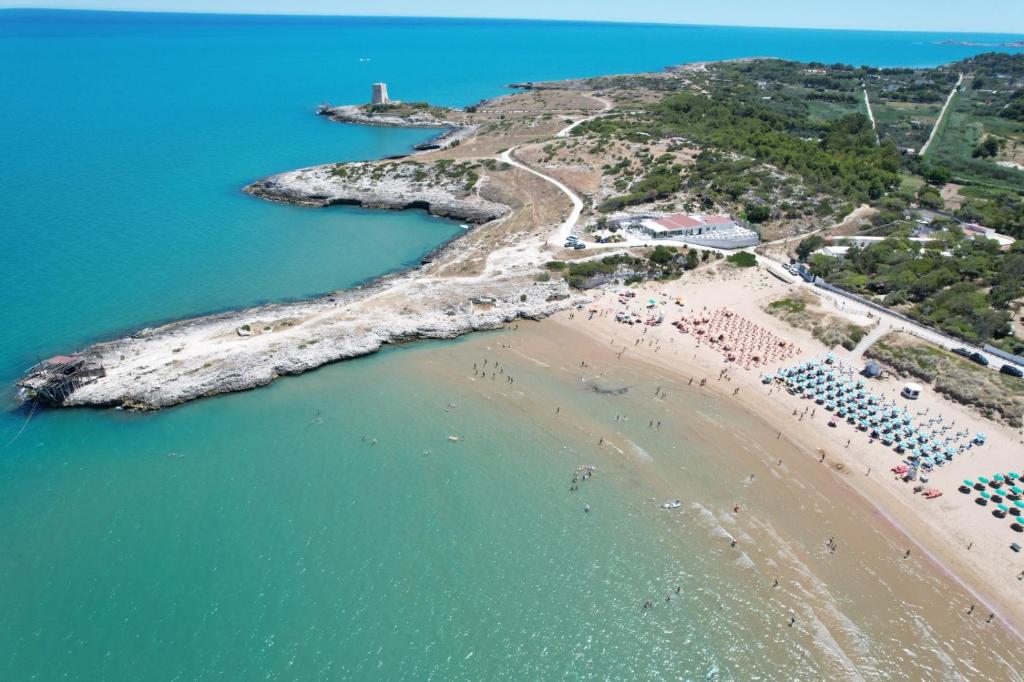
126,139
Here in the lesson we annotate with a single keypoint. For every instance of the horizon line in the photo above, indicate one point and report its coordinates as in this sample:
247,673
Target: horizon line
315,15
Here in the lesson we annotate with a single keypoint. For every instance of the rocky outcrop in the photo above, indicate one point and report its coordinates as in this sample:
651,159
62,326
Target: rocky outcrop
415,118
240,350
390,186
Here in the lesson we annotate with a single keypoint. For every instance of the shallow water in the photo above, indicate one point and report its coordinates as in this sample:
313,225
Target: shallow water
259,535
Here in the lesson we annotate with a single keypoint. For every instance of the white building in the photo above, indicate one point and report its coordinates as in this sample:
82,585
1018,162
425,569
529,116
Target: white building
380,94
721,231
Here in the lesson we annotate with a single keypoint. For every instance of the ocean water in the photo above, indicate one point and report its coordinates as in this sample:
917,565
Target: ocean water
259,535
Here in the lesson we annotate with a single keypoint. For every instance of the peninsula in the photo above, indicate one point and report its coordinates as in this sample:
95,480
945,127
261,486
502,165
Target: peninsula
692,162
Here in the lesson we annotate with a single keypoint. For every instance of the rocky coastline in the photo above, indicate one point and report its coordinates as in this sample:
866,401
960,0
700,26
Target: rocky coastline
454,128
240,350
399,186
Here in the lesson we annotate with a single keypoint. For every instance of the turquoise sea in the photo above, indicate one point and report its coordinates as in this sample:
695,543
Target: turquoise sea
259,536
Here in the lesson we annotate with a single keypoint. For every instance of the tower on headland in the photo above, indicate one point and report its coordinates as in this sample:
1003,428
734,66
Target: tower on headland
380,94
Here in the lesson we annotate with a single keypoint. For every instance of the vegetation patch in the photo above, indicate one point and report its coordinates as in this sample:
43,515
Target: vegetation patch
802,311
962,286
743,259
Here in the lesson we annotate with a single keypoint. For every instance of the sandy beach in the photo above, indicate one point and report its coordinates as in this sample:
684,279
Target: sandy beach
959,537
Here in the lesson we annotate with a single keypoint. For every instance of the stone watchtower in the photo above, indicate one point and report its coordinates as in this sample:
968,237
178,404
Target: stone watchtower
380,94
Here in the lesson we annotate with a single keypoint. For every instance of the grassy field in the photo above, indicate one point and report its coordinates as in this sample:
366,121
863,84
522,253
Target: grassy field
961,131
906,124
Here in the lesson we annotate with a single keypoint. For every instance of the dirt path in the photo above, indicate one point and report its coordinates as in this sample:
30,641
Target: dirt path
871,115
942,115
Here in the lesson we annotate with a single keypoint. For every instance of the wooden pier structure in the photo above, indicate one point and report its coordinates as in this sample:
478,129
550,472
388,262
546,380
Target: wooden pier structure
54,380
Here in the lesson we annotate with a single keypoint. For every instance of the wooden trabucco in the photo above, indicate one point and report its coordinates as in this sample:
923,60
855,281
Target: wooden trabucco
54,380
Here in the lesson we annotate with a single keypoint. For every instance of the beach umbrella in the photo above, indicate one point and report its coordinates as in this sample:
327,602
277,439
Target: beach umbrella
999,477
1019,504
1016,490
969,483
1003,508
986,494
1013,475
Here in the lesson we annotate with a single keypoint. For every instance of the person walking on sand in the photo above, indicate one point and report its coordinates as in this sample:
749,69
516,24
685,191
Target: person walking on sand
907,555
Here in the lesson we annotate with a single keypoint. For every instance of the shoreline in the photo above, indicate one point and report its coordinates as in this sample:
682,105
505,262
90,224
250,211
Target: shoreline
983,572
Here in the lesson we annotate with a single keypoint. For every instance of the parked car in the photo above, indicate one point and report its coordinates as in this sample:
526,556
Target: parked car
962,351
1012,370
580,246
978,358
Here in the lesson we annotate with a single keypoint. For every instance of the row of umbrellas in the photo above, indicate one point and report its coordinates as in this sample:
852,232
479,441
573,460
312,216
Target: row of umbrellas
1002,486
830,384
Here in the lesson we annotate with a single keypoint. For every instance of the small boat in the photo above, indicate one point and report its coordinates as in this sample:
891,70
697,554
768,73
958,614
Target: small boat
672,504
454,438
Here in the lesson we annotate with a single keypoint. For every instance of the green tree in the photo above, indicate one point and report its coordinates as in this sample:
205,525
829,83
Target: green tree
809,245
937,175
757,213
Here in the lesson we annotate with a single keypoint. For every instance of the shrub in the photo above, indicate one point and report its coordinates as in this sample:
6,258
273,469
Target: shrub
743,259
757,213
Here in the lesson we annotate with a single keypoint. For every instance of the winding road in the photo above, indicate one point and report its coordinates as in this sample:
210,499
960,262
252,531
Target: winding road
565,229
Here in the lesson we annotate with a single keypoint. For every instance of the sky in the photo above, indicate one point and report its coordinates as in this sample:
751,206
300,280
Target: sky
988,16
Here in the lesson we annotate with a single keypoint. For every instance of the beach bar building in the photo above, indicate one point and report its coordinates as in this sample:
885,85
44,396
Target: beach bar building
54,380
722,231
